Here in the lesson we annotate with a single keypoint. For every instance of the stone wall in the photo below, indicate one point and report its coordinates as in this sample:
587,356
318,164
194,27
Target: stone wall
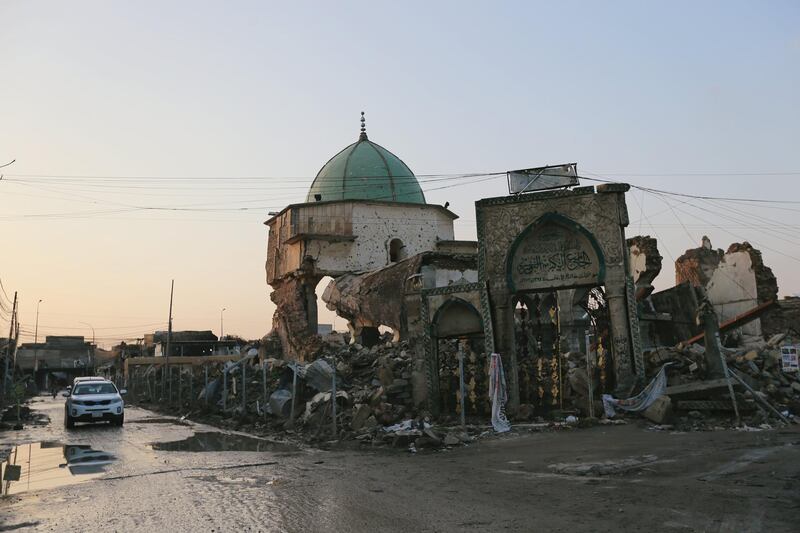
356,239
419,227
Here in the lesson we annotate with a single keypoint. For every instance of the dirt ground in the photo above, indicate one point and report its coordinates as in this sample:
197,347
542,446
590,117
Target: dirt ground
179,476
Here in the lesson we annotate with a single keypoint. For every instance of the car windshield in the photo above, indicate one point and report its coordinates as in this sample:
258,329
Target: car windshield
94,388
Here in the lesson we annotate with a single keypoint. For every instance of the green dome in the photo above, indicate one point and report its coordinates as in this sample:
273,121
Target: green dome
365,171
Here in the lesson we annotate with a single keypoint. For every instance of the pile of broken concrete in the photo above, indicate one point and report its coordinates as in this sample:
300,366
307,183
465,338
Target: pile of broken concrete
764,392
374,403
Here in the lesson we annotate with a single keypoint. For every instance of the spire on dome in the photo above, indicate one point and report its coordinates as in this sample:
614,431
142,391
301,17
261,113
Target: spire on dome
363,136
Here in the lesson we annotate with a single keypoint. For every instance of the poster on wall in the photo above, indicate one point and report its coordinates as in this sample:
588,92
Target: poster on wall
789,360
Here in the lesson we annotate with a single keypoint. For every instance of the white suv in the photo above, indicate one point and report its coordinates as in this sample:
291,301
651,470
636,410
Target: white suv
94,401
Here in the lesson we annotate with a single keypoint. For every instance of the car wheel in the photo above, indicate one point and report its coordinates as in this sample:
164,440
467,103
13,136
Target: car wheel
68,422
119,421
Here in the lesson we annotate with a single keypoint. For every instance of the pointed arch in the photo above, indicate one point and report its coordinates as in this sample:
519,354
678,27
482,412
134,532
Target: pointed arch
456,318
576,261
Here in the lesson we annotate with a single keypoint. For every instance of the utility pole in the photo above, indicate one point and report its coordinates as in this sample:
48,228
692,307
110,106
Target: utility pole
169,329
221,330
35,342
8,346
16,347
36,331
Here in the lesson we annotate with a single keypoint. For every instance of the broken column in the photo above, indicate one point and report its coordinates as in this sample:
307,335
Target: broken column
293,320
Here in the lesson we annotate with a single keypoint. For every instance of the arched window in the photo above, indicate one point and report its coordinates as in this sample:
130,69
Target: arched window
397,251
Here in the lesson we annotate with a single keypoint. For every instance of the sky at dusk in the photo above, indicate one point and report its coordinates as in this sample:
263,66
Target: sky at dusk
152,139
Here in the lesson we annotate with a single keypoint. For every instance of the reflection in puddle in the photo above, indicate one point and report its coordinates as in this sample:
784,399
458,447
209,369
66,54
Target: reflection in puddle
222,442
46,465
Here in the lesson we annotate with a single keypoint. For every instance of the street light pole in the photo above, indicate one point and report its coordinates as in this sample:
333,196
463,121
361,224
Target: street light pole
221,329
91,357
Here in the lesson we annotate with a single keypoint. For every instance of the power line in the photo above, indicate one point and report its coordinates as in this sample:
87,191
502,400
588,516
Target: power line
695,196
228,178
3,290
197,208
700,173
716,226
117,327
691,239
672,258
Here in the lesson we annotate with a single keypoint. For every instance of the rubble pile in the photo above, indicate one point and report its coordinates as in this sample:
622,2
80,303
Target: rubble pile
765,394
373,389
695,399
374,403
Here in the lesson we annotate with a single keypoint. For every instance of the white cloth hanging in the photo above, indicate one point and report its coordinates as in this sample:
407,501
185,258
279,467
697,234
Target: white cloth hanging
498,393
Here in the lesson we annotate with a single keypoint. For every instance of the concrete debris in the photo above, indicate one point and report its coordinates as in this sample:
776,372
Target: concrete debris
699,400
319,375
451,439
280,403
323,400
660,411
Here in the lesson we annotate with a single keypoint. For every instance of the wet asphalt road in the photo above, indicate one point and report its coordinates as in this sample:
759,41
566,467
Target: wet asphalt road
172,476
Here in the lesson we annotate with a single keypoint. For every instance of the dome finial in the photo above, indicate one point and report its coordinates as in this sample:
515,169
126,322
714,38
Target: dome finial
363,136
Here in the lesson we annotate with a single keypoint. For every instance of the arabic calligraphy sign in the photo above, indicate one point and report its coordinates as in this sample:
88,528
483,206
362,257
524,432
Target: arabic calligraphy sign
552,255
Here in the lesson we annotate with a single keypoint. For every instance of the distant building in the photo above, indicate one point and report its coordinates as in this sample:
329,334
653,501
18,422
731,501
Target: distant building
189,344
63,357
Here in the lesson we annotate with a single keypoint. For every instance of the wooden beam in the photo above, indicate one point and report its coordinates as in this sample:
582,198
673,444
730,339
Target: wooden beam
735,322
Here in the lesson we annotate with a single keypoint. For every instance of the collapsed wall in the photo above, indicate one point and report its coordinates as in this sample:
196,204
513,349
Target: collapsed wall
374,298
735,281
645,263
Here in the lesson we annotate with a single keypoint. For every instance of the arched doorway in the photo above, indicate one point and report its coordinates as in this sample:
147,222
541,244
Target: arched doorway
457,333
538,341
553,261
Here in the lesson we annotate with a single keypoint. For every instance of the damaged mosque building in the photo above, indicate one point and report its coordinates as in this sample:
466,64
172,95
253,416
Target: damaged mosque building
551,283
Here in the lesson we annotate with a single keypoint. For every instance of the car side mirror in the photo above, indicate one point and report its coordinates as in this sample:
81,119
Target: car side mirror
65,394
123,391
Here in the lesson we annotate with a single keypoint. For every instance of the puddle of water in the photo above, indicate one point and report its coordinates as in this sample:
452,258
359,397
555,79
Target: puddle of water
213,441
47,465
